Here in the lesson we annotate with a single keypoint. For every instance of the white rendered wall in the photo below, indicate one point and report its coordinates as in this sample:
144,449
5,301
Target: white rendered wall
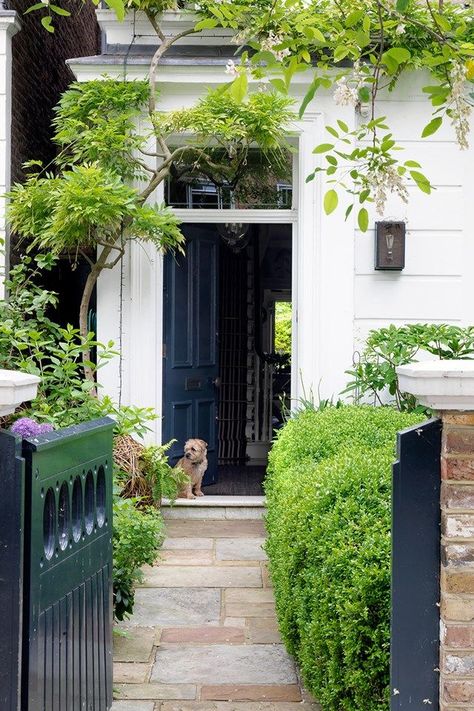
337,294
8,26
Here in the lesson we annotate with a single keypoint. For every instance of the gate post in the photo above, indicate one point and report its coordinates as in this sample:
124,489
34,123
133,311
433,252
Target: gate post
15,387
448,387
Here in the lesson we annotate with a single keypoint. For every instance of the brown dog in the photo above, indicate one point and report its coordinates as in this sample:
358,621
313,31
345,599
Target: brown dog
194,463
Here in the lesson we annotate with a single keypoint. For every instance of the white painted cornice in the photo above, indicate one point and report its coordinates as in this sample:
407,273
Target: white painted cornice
440,384
137,28
9,22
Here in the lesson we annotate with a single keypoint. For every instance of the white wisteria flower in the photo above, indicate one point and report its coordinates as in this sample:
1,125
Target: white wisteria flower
459,109
230,68
345,95
383,180
270,42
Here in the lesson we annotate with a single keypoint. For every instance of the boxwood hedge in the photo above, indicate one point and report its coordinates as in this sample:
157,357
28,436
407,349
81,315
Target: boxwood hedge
328,497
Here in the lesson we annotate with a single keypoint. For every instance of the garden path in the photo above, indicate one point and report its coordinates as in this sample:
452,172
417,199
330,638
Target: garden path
204,636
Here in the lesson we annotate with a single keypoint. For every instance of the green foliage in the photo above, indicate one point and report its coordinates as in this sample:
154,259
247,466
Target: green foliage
328,498
95,122
32,342
375,376
86,205
164,481
228,127
379,44
138,534
283,327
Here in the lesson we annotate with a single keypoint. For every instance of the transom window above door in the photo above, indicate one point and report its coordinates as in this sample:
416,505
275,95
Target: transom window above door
258,187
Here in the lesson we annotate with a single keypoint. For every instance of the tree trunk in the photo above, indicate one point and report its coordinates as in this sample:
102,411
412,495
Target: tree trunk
91,281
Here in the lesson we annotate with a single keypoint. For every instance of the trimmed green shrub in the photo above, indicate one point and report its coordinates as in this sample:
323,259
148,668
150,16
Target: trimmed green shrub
138,534
328,497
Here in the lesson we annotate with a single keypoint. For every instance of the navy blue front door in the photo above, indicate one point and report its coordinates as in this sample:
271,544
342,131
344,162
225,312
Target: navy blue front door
190,356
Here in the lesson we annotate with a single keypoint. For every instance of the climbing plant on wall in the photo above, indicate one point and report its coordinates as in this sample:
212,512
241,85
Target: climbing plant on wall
97,195
357,52
86,198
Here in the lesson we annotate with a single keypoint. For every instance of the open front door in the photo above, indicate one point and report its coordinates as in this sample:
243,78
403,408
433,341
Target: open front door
190,365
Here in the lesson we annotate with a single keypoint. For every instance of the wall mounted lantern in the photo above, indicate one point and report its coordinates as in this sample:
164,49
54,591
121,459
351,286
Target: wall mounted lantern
390,246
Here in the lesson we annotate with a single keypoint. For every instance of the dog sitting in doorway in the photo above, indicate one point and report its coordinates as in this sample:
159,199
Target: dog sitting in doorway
194,464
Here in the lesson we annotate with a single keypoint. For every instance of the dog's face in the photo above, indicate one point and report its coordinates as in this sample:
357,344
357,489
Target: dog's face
195,450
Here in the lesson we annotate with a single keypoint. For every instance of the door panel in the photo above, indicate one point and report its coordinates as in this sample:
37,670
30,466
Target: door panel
190,366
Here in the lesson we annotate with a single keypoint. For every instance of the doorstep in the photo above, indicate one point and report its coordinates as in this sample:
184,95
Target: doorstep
215,507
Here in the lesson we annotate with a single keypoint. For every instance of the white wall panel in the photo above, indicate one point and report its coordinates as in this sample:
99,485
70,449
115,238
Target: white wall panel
395,296
428,252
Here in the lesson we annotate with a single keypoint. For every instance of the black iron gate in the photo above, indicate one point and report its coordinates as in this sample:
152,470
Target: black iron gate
64,579
416,569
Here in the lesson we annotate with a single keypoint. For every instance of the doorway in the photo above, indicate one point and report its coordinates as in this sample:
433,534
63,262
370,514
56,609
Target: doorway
227,348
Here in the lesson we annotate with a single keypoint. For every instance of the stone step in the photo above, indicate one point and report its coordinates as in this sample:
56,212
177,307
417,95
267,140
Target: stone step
215,508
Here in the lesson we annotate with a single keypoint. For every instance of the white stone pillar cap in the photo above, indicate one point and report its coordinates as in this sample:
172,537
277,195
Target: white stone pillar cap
15,388
440,384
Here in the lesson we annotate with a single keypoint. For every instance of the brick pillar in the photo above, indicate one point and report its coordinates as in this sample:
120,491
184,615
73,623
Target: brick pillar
448,388
457,555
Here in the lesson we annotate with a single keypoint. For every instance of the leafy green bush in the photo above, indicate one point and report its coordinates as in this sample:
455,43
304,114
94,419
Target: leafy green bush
375,374
138,534
328,497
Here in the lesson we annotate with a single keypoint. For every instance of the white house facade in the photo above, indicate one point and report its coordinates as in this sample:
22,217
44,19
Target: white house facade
337,295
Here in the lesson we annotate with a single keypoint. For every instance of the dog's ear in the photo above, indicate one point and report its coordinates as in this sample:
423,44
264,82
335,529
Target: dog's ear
205,443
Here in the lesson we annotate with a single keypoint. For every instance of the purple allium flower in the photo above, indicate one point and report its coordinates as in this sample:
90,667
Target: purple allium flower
26,427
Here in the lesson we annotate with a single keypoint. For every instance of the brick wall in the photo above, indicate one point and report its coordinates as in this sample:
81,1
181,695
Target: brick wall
457,574
40,75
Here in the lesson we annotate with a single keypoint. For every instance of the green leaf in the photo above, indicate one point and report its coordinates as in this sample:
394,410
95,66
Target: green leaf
400,54
402,5
279,85
341,52
349,210
364,94
343,126
432,127
363,219
332,131
59,10
309,96
207,24
118,7
36,6
323,148
238,88
422,181
354,17
331,201
46,22
318,35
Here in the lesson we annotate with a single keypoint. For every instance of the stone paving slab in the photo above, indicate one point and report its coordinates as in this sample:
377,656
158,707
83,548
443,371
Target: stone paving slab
240,549
215,529
133,706
197,544
186,557
158,692
136,645
251,692
238,706
204,635
229,664
251,596
264,631
199,577
171,607
257,609
131,673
